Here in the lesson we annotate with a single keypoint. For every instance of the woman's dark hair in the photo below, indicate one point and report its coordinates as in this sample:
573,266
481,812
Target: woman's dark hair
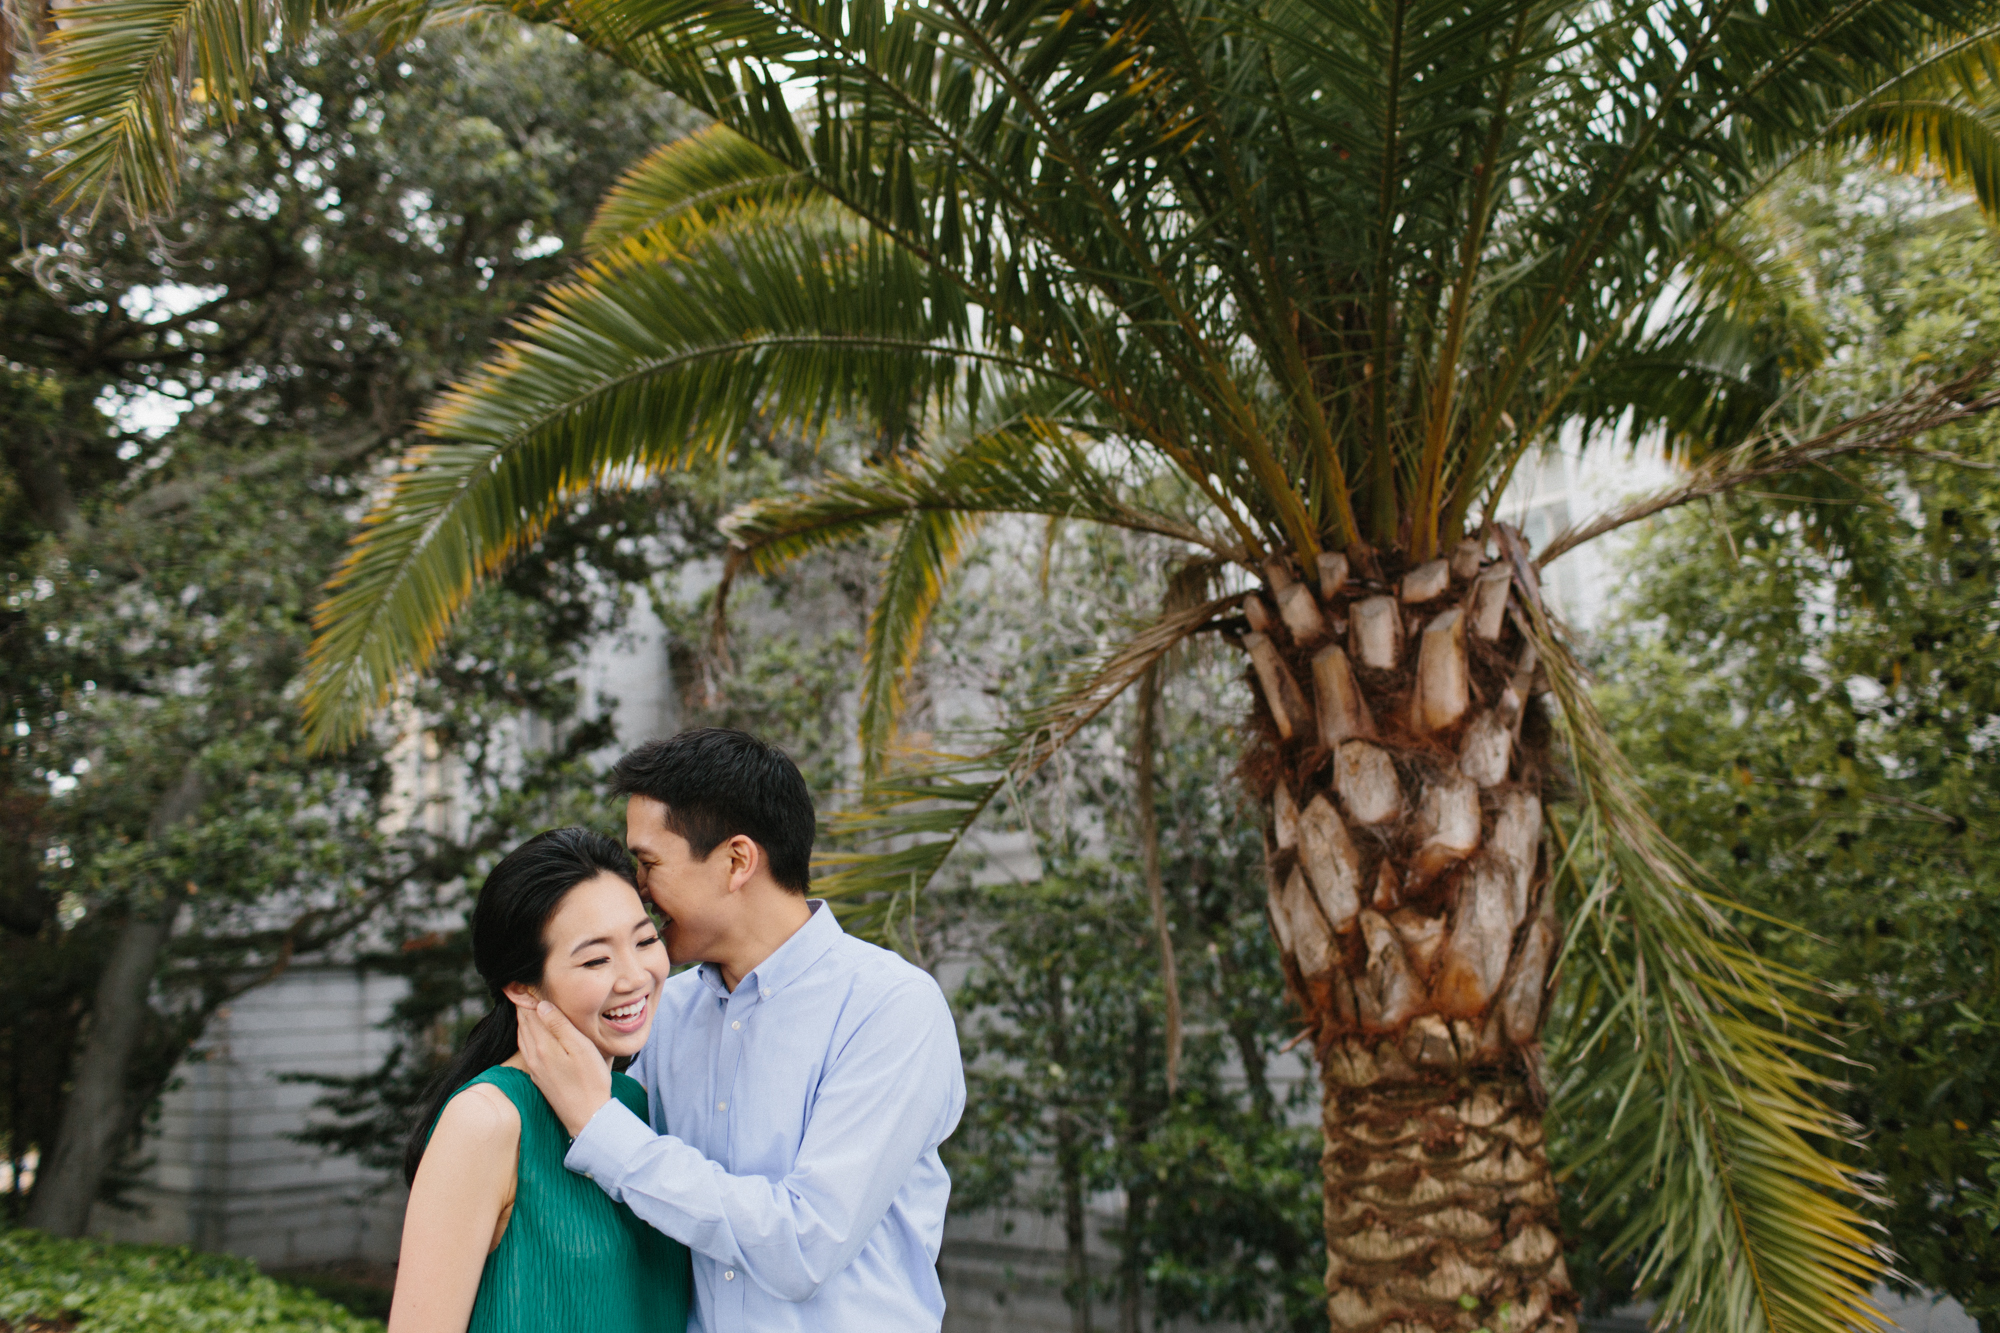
513,910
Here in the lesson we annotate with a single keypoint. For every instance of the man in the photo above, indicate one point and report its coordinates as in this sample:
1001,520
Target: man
800,1081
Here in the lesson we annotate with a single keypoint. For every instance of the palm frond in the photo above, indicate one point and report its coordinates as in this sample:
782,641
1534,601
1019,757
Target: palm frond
908,823
927,550
1958,138
1886,429
1697,1045
634,366
1032,465
120,77
1937,116
696,177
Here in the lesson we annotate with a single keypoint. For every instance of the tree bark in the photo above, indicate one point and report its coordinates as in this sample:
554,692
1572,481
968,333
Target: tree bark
1410,901
96,1114
1149,853
1139,1110
1069,1167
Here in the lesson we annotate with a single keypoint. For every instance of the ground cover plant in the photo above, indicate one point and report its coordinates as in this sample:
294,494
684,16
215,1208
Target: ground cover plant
95,1287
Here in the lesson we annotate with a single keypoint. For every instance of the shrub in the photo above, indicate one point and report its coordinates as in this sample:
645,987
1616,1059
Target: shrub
99,1287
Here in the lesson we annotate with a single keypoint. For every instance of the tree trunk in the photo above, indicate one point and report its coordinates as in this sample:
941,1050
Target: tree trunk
1139,1112
1409,897
96,1114
1143,753
1069,1167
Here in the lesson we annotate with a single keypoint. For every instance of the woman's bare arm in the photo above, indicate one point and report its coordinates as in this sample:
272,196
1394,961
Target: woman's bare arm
458,1205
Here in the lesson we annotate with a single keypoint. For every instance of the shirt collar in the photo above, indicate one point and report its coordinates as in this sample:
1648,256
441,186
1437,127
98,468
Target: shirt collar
789,959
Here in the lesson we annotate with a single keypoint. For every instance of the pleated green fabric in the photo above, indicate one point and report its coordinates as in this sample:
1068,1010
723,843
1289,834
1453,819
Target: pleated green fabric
571,1259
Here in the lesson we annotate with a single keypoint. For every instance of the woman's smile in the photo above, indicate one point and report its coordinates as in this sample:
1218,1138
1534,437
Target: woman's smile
628,1017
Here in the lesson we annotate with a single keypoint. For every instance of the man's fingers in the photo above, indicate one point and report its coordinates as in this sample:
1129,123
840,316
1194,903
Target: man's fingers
558,1027
525,1030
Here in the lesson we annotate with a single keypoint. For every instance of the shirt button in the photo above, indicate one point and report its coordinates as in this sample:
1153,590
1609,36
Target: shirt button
722,1106
736,1025
767,992
728,1275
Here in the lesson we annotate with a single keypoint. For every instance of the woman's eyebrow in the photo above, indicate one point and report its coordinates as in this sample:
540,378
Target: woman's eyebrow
601,939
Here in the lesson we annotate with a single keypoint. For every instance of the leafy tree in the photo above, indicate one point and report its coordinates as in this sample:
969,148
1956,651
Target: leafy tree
1067,1060
1817,722
167,831
1296,286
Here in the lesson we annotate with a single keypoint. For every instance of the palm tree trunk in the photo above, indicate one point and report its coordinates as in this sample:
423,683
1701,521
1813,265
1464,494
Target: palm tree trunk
1409,897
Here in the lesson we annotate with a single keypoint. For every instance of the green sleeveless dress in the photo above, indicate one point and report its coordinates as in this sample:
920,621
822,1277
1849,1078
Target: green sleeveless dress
571,1259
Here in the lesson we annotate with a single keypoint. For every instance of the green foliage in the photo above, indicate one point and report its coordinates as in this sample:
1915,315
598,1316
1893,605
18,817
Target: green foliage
107,1288
1060,1012
1813,714
1066,1066
189,415
1326,270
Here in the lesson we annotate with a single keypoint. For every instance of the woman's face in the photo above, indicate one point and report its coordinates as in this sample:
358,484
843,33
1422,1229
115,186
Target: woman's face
605,965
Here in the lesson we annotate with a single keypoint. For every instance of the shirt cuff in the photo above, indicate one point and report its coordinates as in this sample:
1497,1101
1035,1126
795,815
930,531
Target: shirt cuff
611,1140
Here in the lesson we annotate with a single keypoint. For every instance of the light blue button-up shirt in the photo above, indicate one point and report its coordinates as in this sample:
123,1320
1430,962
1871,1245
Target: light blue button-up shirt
794,1143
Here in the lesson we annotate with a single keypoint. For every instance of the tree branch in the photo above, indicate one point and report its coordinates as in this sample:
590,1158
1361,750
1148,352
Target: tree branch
1881,431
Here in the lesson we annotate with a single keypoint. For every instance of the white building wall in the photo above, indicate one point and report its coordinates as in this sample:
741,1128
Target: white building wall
225,1173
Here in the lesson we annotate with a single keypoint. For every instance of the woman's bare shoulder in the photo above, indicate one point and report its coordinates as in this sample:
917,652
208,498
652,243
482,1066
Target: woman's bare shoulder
480,1118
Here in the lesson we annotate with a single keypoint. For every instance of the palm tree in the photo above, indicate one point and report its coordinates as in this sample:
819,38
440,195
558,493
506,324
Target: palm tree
1293,285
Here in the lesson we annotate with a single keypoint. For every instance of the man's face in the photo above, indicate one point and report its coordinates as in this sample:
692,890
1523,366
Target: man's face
692,895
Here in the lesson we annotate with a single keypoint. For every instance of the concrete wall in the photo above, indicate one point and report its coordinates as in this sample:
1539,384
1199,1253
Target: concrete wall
225,1175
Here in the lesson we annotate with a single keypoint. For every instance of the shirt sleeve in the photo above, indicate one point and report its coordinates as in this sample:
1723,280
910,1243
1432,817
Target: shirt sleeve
892,1093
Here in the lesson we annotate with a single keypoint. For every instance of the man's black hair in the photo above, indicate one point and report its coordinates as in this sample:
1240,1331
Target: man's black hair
716,783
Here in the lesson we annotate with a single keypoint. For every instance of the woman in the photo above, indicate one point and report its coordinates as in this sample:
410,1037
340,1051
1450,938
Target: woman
498,1236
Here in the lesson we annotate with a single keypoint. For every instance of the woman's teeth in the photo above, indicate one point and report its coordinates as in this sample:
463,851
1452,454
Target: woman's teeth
626,1014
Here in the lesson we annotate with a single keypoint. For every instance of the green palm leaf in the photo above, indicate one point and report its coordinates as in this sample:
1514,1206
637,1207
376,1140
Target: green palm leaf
1697,1043
691,180
923,812
1959,138
636,365
928,547
120,77
1031,467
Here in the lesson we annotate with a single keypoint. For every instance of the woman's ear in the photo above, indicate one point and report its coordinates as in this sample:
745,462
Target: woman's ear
522,994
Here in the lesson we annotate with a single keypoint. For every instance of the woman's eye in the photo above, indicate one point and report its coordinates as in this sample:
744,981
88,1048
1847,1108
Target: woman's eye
649,940
597,962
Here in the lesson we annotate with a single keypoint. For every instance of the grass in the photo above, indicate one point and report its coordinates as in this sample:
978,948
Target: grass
92,1286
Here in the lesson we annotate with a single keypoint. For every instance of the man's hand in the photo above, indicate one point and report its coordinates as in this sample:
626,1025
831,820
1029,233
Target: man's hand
568,1070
